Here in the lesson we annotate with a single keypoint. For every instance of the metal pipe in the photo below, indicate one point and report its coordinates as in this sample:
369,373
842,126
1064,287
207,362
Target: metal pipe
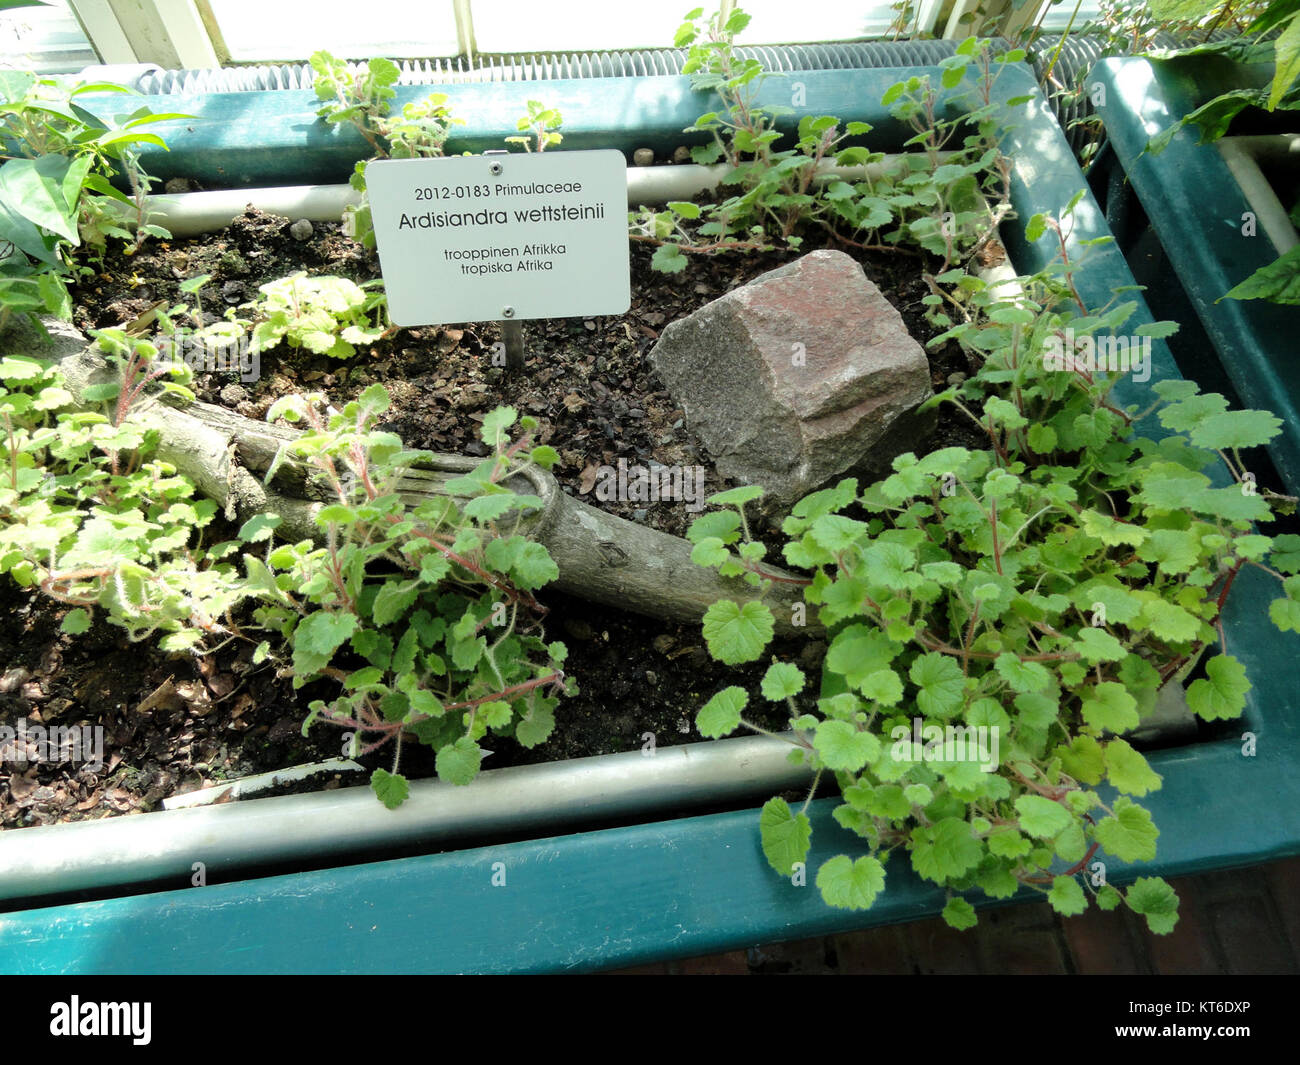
1243,156
115,852
189,214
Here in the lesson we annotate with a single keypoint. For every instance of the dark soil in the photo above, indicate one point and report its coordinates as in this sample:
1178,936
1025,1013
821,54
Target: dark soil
173,724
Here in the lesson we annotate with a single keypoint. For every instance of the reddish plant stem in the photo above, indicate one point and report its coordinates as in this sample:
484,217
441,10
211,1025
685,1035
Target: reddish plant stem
993,523
704,249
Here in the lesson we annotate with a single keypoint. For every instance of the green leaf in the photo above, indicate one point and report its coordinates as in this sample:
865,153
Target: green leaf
34,188
941,684
857,652
722,525
1067,896
1110,532
534,566
1175,550
785,835
1083,759
75,621
960,914
945,850
458,763
375,400
736,633
1110,708
720,716
259,527
101,393
1098,645
536,725
1070,845
736,497
20,368
1038,710
1041,817
1108,898
1221,693
1008,843
842,747
668,259
1169,621
1279,281
544,455
882,686
488,508
1022,676
1129,835
1286,50
781,681
710,552
851,885
393,600
392,789
1286,553
1128,770
1152,897
495,424
1168,486
836,533
1236,429
1285,614
316,639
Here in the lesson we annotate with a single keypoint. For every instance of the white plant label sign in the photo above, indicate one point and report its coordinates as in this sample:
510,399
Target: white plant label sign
490,237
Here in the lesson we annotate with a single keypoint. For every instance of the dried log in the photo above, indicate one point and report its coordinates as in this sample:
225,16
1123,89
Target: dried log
601,557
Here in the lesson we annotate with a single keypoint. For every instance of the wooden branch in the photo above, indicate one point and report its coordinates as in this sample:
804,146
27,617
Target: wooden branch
601,557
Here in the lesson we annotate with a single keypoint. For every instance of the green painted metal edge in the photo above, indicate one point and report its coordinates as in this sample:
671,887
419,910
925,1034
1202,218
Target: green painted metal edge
1196,208
238,139
696,885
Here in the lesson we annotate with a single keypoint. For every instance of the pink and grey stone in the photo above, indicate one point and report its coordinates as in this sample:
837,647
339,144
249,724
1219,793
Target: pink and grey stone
803,375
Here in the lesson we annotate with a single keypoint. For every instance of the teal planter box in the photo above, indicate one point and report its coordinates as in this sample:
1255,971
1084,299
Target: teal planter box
1198,210
690,886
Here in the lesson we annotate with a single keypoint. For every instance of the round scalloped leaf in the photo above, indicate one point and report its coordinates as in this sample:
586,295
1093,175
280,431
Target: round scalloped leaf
391,788
849,884
1041,817
1221,693
1067,896
945,850
1156,901
720,716
842,747
737,633
960,914
1128,770
1129,834
785,835
941,684
782,680
458,763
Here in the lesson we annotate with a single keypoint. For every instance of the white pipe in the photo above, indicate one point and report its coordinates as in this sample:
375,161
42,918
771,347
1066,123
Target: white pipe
1243,156
245,787
189,214
164,846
